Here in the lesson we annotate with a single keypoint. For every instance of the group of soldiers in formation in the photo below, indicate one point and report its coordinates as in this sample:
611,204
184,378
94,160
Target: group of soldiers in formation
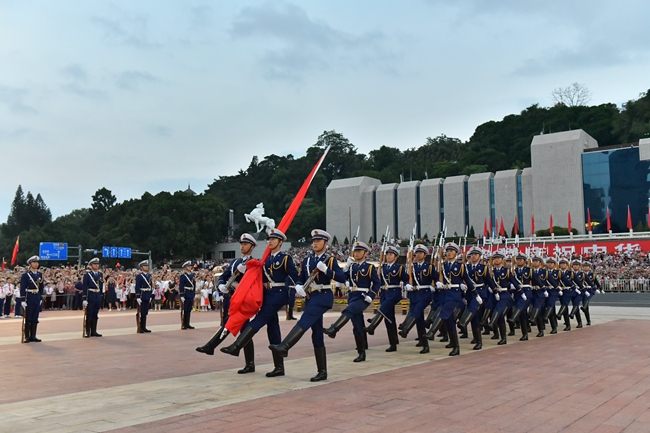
477,292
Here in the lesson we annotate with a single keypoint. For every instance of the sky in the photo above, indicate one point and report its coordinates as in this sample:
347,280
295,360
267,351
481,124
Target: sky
155,95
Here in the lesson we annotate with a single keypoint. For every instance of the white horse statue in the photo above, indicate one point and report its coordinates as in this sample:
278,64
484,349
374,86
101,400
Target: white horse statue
257,216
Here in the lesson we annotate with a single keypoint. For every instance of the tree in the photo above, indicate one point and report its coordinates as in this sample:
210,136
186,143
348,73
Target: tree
103,200
574,95
16,217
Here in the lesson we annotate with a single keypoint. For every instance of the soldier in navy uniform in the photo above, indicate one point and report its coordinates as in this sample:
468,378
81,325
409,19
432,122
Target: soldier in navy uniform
279,272
143,291
523,274
392,276
476,298
31,292
186,293
93,287
235,272
502,284
554,292
363,281
321,268
591,287
423,276
540,294
579,279
569,290
454,281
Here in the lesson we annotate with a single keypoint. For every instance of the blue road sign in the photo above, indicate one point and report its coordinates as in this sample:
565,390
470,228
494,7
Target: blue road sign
113,252
124,253
116,252
106,252
53,251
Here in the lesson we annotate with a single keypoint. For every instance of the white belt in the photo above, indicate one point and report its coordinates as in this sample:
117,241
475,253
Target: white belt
358,289
145,290
452,286
479,285
93,290
317,287
394,286
423,287
188,287
31,291
526,286
275,284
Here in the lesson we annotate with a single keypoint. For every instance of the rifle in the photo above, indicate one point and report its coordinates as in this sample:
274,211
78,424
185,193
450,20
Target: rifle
354,239
137,316
312,277
409,256
83,329
464,253
382,254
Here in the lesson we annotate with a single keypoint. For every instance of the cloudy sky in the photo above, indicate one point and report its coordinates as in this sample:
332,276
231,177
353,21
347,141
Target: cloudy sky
150,95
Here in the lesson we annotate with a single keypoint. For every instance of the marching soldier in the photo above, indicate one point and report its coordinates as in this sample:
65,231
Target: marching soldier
279,272
31,291
477,298
186,292
569,290
227,284
424,275
143,296
579,279
522,297
502,284
319,269
93,287
363,279
554,293
393,276
592,286
540,294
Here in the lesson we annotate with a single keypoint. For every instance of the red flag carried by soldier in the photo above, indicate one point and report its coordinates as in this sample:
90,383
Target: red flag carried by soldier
247,299
14,256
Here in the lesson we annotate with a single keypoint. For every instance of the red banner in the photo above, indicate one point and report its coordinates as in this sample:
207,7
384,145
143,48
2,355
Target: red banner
586,247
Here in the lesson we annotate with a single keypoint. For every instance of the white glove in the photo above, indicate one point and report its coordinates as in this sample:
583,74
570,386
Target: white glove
300,291
598,291
408,287
512,286
479,300
545,294
217,298
439,285
222,288
241,268
347,284
348,263
24,304
368,299
463,287
490,289
40,303
433,289
578,291
182,298
561,293
139,301
523,296
587,294
464,301
85,304
496,296
322,267
151,300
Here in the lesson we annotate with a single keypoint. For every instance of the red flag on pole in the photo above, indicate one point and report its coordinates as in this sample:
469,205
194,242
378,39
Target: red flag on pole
4,264
502,230
14,256
486,233
588,220
569,220
609,222
551,224
532,225
516,228
247,299
629,218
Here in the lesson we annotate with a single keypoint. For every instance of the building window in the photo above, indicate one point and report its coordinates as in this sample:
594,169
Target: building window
227,254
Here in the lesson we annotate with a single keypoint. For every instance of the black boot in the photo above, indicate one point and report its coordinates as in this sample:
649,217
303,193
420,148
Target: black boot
187,320
321,364
34,325
28,332
249,356
144,324
336,326
278,362
514,317
217,338
242,340
289,341
560,312
534,313
455,345
573,311
392,339
93,329
578,319
587,315
502,331
361,348
290,314
89,328
476,332
444,333
374,322
553,322
463,321
486,316
567,322
407,325
540,326
524,328
431,317
435,326
493,325
512,329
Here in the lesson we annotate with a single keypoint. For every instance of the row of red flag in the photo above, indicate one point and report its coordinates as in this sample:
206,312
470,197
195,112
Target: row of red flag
502,231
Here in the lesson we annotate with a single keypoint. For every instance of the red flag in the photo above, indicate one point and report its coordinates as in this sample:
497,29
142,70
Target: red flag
247,299
588,220
502,230
516,225
532,225
629,218
14,256
551,224
4,264
609,222
486,233
569,222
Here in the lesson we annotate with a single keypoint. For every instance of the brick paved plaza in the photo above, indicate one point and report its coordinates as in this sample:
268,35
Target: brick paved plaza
595,379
